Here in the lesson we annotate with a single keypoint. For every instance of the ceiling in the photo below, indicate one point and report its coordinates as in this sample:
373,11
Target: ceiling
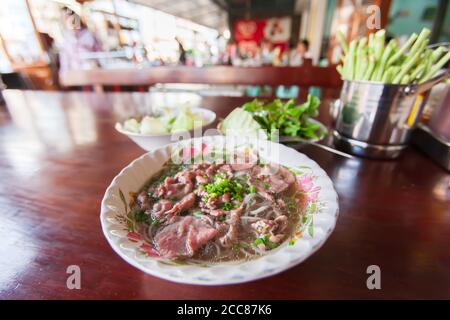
204,12
214,13
258,8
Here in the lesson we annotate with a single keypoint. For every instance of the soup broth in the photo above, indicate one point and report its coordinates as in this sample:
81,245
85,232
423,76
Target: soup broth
216,211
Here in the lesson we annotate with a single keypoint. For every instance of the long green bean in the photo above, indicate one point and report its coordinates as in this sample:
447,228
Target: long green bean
436,67
371,59
384,59
403,49
341,39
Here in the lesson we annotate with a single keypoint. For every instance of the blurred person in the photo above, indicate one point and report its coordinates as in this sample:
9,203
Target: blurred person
77,40
266,52
256,56
295,58
241,56
286,56
221,50
230,52
303,49
181,51
207,53
277,56
137,52
300,53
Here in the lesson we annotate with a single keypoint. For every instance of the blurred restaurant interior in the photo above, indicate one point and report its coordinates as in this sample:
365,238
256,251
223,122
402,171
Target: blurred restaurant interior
73,73
38,49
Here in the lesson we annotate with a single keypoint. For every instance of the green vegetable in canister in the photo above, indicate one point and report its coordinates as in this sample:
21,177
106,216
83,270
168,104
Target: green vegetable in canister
371,60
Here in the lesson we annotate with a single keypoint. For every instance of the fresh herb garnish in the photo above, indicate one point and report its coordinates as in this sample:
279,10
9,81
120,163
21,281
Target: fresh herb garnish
259,241
252,189
227,206
152,197
244,245
265,241
197,214
140,216
222,185
287,117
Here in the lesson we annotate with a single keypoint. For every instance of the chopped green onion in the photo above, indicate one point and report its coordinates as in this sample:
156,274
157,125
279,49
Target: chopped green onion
197,214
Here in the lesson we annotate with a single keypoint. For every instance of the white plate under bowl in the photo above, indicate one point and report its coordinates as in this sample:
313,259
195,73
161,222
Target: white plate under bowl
321,212
149,142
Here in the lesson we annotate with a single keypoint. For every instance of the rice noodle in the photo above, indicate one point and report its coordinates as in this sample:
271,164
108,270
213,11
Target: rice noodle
248,198
251,218
248,219
218,249
259,210
269,214
245,252
208,219
257,250
148,236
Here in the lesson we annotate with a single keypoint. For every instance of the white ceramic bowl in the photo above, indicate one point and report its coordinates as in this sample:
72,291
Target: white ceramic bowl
320,205
149,142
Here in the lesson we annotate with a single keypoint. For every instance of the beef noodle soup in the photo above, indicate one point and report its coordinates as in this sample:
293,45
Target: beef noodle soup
217,212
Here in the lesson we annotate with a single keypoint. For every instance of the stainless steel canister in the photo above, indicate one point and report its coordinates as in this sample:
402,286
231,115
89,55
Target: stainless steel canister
376,120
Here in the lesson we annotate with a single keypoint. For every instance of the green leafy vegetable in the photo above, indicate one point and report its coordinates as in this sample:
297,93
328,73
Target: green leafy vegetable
164,122
240,122
131,125
151,125
289,118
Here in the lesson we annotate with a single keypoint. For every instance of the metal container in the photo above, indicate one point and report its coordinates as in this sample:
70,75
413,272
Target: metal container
376,120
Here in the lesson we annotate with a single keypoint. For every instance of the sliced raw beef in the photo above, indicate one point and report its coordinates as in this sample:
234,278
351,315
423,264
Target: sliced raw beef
184,237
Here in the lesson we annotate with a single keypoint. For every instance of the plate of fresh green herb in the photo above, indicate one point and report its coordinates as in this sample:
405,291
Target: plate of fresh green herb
273,119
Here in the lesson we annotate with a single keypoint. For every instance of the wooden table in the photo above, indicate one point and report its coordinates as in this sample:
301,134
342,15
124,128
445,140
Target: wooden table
59,152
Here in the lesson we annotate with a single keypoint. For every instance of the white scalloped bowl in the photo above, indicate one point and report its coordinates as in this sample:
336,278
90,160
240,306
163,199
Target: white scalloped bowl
149,142
321,212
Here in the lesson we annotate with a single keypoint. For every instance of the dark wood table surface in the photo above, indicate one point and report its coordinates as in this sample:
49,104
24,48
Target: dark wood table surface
59,152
